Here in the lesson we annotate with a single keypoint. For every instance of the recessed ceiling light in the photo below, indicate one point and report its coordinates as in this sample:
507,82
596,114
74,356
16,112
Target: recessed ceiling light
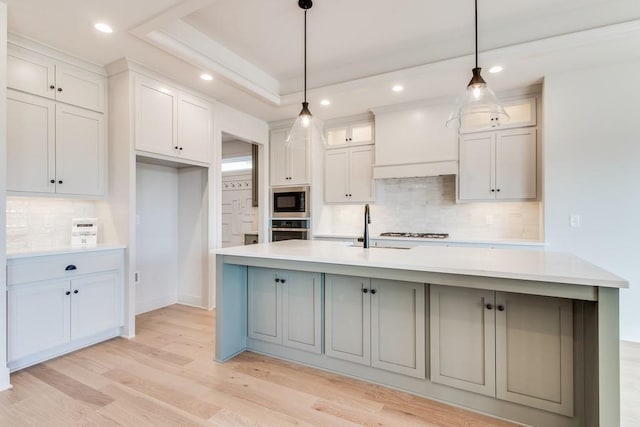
103,28
325,102
207,77
496,69
398,88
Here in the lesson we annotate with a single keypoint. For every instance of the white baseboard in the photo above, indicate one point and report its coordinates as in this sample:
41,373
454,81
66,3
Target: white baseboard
155,303
191,300
5,384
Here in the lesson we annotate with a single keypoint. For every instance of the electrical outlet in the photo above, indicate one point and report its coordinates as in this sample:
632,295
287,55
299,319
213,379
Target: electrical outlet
574,220
489,219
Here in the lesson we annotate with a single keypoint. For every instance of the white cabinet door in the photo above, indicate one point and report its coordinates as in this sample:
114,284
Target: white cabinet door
463,338
534,351
361,174
476,179
156,119
279,161
302,310
264,298
298,164
336,175
30,143
338,136
80,151
398,327
347,318
96,304
31,73
195,136
516,169
38,317
79,87
361,133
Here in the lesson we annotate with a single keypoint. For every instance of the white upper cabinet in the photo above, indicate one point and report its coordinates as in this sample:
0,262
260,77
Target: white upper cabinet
522,113
349,175
171,123
289,165
355,133
40,75
54,147
498,165
195,133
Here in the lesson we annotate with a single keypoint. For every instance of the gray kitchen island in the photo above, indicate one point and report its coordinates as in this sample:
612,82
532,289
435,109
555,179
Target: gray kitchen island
530,336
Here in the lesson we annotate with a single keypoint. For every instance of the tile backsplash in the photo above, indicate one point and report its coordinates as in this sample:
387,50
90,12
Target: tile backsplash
43,222
428,204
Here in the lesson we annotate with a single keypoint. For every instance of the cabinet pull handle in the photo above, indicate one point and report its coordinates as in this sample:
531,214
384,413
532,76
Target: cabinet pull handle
365,290
53,181
373,291
59,89
70,267
501,307
75,291
68,293
52,87
489,306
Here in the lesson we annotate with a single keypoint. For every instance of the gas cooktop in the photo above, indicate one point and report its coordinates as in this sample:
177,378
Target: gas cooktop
416,235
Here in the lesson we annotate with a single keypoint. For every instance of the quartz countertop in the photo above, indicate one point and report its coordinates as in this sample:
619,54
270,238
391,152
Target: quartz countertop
31,252
416,240
535,265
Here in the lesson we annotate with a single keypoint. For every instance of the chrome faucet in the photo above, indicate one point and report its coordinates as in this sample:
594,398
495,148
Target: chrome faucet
367,221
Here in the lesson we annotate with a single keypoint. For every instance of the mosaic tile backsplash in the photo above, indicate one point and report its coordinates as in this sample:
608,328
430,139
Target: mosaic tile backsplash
43,222
428,204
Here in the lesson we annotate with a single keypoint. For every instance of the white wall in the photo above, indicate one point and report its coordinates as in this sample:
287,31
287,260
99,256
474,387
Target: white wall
4,371
592,168
156,237
236,148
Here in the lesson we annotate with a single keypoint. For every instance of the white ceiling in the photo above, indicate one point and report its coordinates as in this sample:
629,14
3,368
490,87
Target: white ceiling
357,49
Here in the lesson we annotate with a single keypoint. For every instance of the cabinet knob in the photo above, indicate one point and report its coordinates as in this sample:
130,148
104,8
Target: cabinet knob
489,306
373,291
175,148
492,190
68,293
59,89
70,267
498,189
52,87
277,280
365,290
181,150
282,281
60,182
53,181
75,291
501,307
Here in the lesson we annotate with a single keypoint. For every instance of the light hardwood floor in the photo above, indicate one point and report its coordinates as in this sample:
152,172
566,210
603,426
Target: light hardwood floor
165,376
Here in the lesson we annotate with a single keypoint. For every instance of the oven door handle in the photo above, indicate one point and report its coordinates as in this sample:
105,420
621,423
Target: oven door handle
290,229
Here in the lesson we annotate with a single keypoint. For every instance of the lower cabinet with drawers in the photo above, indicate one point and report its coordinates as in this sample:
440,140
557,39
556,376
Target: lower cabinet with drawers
60,303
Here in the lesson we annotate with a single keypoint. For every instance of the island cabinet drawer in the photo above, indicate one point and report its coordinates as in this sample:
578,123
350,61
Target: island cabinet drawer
39,268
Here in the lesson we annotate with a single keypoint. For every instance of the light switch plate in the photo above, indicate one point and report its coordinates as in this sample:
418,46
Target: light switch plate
574,220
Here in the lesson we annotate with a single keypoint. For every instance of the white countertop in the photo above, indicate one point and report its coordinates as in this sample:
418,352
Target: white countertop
535,264
31,252
487,242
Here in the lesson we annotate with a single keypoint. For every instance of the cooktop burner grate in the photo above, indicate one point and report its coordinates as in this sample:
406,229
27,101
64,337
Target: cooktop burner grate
416,235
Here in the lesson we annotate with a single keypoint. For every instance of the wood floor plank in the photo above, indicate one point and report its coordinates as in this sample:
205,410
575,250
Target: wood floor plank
69,386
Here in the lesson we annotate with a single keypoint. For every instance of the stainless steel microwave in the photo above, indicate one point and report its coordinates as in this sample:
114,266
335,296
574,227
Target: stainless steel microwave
290,202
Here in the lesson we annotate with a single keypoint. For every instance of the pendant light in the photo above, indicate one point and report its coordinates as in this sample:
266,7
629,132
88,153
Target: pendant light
478,105
305,124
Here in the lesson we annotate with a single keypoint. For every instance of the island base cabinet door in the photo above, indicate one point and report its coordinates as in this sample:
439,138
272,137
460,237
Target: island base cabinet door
398,327
347,318
463,338
96,305
38,318
301,311
264,298
534,351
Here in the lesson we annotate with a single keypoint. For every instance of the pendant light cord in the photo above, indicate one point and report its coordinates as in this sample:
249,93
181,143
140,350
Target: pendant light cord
305,55
476,33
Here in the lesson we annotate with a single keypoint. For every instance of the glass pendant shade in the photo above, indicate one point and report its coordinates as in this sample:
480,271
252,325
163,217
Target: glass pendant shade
304,128
478,106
